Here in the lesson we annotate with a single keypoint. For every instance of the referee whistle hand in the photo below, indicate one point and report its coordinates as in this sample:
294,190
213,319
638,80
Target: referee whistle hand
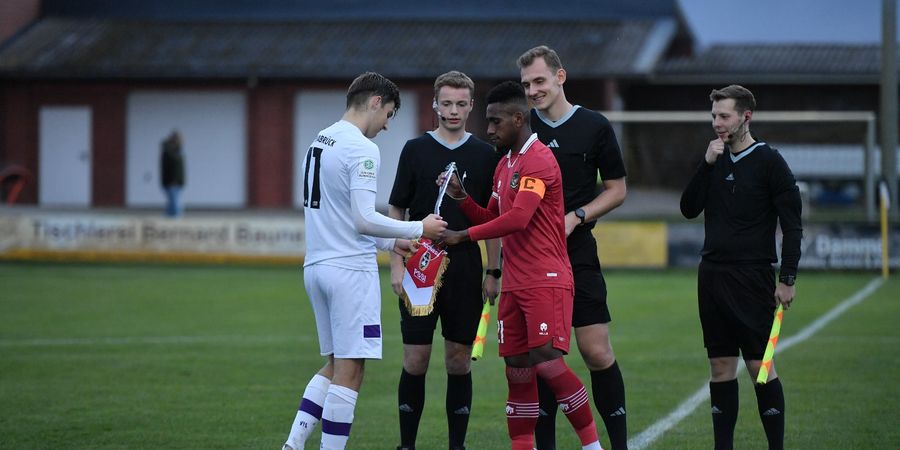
433,227
784,295
714,150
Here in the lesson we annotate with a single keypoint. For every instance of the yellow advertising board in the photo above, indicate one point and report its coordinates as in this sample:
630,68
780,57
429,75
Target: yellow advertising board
632,244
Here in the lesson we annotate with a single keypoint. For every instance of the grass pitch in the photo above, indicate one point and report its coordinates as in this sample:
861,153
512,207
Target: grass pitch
152,357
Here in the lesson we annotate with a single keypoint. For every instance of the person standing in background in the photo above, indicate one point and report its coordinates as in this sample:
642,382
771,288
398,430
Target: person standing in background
171,163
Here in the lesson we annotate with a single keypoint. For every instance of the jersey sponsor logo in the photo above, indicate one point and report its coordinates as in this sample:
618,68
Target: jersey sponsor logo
366,168
553,144
514,181
534,185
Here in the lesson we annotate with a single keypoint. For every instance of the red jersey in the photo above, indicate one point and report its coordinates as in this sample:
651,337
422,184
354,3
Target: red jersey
526,211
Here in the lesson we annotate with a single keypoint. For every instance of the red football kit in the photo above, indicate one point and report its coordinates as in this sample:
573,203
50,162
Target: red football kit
526,211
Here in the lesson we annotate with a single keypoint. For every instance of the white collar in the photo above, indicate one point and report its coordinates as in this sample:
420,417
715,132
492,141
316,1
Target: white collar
745,152
525,147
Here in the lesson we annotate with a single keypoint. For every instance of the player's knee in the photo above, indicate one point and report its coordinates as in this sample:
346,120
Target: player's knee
723,369
415,364
597,355
458,364
544,353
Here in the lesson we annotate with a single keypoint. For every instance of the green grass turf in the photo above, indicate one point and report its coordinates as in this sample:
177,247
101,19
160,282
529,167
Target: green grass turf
136,356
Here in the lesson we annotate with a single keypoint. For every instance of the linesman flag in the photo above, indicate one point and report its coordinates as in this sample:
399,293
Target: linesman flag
766,366
478,345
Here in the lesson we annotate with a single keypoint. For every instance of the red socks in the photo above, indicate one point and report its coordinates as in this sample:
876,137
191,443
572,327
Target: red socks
521,406
571,395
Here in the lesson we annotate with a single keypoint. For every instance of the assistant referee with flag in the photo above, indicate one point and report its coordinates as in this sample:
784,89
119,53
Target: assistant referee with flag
745,189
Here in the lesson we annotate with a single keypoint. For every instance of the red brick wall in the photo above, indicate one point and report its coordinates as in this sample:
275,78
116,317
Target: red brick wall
270,155
19,124
18,134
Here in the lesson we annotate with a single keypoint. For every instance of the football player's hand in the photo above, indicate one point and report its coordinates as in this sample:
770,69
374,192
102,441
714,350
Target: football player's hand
433,227
455,237
454,190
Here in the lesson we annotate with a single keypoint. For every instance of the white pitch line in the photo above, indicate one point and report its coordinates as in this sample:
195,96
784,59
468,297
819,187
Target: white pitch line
655,431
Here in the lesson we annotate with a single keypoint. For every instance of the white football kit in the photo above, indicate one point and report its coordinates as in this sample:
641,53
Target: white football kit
340,176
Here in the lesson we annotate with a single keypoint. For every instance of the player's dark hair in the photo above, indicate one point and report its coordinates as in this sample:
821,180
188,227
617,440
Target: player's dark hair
743,98
509,93
542,51
454,79
369,85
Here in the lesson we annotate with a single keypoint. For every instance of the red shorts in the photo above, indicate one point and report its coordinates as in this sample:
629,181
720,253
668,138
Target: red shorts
529,318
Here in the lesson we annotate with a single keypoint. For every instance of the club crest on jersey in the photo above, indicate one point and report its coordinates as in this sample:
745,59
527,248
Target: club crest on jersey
514,182
426,259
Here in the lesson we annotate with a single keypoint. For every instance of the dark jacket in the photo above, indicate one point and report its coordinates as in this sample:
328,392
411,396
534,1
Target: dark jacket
172,163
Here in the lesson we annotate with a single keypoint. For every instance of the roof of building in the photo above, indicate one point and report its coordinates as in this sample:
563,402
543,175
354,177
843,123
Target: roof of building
78,47
305,10
776,63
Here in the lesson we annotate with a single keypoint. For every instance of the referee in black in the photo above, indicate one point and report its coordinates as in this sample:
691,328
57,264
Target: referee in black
465,285
585,145
746,189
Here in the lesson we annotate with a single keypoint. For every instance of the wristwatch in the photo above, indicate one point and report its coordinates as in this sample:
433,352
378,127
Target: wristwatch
579,213
787,280
496,273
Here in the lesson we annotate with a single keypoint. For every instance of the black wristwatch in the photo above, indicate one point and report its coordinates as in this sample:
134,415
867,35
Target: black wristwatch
787,280
579,213
496,273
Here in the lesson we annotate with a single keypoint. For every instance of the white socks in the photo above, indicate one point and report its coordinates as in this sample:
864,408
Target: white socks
309,412
337,417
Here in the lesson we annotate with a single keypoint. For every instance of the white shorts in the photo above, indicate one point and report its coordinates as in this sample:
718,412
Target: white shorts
347,305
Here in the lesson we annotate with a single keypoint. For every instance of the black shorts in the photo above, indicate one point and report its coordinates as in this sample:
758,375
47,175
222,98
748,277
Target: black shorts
458,304
590,288
737,305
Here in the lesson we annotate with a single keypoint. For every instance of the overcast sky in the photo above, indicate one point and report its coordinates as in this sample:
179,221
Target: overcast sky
844,21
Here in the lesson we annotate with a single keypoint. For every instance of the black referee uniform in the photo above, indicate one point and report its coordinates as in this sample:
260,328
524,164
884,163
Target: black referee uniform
584,144
459,300
744,197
